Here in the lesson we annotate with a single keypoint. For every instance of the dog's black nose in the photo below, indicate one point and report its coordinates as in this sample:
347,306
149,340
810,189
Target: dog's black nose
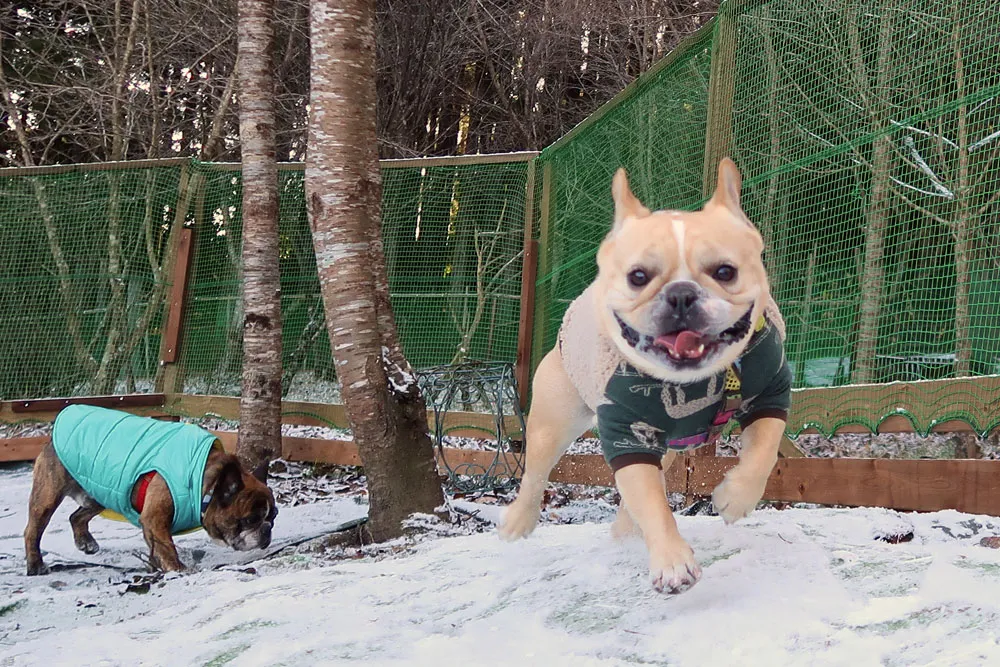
681,296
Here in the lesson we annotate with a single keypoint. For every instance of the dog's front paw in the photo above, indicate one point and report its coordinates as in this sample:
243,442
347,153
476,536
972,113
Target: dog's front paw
37,569
673,569
519,519
737,495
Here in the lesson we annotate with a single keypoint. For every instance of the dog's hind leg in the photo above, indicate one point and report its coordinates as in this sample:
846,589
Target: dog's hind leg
80,519
558,416
47,492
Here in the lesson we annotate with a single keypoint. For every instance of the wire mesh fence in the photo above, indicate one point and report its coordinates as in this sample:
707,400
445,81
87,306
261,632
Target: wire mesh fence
867,131
656,130
84,279
81,284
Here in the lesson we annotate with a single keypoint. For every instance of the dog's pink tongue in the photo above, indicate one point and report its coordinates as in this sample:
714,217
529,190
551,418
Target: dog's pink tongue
687,344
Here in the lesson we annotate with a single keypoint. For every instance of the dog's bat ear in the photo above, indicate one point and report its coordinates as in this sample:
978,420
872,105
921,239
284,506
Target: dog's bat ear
728,186
728,191
626,204
229,483
260,472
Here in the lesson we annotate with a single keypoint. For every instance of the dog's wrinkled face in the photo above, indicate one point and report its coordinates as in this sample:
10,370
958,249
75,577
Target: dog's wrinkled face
242,510
680,291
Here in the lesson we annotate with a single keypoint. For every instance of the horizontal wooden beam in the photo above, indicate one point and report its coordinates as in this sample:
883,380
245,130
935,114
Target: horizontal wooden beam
21,449
405,163
302,413
93,166
915,485
924,485
56,404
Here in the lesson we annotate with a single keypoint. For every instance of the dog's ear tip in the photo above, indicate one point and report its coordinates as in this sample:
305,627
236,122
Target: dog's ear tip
260,472
619,182
728,185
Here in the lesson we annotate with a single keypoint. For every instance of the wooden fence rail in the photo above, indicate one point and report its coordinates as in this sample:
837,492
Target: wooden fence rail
921,485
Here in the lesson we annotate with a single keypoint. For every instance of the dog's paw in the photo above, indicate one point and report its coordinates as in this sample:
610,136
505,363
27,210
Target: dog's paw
37,569
738,494
674,569
518,520
88,545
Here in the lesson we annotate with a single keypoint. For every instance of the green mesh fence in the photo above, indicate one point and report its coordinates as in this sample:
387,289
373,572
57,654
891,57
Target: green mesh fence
868,134
453,232
80,285
656,130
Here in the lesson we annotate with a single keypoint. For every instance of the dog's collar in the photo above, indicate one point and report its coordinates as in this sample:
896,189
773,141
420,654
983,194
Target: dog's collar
206,500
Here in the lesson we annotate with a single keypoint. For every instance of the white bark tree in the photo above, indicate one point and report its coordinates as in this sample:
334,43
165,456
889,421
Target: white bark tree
343,192
260,401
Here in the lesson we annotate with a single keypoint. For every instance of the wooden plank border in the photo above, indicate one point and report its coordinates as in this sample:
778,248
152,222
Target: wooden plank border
966,485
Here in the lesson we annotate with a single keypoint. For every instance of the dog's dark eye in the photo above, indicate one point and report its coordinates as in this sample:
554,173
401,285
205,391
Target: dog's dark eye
637,277
724,273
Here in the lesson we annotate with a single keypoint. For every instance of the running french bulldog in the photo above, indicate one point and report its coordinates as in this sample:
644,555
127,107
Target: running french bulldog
677,335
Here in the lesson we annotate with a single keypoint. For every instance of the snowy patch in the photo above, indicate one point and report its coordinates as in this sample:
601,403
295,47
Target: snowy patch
401,381
793,587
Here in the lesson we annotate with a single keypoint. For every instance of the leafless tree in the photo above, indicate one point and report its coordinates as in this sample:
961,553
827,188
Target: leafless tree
343,189
260,399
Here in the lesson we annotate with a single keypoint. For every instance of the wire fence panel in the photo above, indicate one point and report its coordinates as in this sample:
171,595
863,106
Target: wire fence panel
81,278
867,132
452,234
656,130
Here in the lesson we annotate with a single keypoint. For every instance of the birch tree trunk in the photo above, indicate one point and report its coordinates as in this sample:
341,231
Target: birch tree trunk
260,402
343,191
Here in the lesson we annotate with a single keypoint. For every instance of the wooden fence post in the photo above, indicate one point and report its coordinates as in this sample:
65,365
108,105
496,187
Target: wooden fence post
541,306
177,265
719,121
529,273
718,141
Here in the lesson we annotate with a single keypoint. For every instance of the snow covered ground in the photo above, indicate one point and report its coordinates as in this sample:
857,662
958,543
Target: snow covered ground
792,587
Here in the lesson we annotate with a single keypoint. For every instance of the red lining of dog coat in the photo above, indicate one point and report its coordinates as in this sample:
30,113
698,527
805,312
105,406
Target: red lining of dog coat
140,492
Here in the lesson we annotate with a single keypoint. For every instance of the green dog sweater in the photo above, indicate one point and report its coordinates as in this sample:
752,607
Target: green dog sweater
640,417
107,451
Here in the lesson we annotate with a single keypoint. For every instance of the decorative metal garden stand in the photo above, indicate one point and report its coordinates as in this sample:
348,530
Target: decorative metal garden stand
490,390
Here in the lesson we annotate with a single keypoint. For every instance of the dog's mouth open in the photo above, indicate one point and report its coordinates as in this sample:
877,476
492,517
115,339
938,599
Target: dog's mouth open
685,347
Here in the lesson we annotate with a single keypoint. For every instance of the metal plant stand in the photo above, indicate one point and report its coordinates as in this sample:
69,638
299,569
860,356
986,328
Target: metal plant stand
490,390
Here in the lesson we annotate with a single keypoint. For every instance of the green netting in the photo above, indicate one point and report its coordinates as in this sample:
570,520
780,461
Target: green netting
656,130
80,286
453,236
869,134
